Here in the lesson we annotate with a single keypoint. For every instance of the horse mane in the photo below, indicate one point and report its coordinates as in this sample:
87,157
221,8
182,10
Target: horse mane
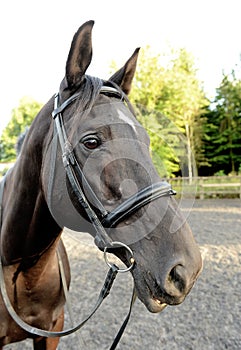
90,91
20,141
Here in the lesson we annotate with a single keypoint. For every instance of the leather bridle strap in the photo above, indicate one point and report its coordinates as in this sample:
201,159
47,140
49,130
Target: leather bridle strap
70,163
111,275
124,324
74,173
137,201
59,109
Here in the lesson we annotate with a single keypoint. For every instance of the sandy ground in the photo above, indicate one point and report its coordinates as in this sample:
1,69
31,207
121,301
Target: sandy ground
210,317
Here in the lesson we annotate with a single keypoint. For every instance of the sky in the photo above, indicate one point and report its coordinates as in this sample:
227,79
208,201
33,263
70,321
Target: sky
35,38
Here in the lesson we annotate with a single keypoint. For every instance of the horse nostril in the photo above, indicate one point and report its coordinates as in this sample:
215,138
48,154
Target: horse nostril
176,281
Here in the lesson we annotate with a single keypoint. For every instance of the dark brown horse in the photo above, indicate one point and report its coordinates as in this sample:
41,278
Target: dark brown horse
112,151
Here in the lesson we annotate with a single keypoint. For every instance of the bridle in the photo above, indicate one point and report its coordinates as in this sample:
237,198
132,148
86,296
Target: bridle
78,181
101,221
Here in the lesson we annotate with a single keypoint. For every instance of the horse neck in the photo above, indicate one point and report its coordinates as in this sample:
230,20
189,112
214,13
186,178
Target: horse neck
28,229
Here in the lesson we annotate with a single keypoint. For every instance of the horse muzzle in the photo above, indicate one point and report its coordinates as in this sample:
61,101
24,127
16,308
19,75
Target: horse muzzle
170,288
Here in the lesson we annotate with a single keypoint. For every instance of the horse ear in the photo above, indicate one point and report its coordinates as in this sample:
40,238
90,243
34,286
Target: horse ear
80,55
125,75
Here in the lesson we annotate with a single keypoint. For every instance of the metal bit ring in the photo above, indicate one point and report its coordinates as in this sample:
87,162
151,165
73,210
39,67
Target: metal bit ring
116,244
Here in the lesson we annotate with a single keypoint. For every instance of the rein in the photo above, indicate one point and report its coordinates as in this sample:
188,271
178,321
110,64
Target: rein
109,280
110,277
106,220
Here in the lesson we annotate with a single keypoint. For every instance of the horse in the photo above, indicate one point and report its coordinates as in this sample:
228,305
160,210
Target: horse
85,163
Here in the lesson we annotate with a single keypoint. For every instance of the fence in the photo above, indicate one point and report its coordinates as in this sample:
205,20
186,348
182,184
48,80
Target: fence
199,187
208,187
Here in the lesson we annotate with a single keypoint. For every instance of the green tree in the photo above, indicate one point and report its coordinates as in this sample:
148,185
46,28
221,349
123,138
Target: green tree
171,89
223,127
186,105
22,117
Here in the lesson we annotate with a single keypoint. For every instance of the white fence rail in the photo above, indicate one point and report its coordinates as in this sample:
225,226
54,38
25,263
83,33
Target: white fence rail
208,187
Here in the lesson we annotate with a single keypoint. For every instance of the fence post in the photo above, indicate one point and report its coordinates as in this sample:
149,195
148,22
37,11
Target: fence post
201,188
240,189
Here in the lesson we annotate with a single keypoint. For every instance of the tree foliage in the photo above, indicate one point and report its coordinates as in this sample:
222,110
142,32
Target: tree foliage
174,102
22,117
184,128
223,128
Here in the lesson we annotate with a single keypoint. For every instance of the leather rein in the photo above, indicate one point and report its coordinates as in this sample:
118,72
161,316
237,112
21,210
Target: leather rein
106,220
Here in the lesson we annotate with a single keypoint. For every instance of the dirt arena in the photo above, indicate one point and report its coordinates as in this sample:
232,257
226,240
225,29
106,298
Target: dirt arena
210,317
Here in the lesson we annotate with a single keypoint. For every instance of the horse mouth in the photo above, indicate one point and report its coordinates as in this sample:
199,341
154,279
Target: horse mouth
156,305
152,303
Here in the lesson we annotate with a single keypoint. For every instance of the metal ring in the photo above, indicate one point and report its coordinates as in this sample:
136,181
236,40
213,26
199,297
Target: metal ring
132,260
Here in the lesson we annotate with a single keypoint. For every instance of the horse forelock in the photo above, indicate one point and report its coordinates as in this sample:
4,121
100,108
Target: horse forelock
89,93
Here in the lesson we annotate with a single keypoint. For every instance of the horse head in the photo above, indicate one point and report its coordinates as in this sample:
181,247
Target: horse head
112,152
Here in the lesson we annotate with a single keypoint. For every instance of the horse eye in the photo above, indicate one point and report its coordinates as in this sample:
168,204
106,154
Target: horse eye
91,142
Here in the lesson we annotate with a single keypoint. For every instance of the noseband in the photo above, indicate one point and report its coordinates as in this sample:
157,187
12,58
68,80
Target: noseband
75,174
